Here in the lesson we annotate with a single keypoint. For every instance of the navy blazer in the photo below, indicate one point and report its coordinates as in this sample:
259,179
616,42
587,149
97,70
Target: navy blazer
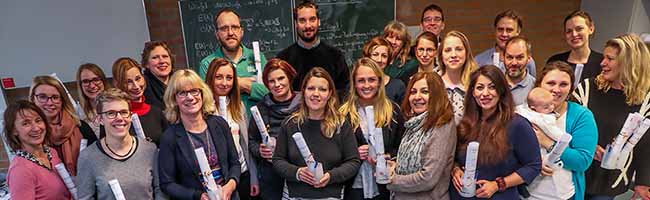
179,169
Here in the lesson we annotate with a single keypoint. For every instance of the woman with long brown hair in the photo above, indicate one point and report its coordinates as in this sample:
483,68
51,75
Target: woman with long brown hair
508,155
403,66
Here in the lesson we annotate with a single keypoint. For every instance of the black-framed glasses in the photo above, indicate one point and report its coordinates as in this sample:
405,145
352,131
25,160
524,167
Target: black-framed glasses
233,28
112,114
432,19
195,92
43,98
95,81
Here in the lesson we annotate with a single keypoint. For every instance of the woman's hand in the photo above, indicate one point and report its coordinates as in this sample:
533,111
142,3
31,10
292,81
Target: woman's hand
323,181
600,151
205,196
487,189
266,152
363,152
228,189
642,191
391,169
255,190
306,176
547,170
543,139
457,177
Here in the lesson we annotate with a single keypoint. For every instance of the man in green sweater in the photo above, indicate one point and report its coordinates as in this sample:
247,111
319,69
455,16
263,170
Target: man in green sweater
229,33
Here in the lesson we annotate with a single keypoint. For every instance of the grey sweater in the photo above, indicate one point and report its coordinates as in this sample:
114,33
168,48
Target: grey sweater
137,174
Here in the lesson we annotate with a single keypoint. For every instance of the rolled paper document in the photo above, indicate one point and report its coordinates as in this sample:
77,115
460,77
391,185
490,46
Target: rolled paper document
634,139
83,144
469,178
117,190
578,72
495,59
377,140
223,107
370,125
555,154
212,189
67,179
266,138
612,152
316,168
135,120
74,103
258,60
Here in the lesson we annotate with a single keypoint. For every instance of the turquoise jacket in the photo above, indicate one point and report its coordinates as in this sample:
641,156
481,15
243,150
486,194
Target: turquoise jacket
245,68
577,157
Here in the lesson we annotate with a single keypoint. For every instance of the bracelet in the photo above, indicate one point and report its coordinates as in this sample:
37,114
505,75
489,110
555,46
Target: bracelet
501,183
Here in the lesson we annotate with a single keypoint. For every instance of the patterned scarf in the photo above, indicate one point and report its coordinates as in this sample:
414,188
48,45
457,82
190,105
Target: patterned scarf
409,156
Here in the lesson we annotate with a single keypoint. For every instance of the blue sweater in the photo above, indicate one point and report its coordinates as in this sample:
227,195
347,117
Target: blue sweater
578,155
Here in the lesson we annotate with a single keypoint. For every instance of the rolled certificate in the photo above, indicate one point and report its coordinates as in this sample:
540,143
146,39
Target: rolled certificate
377,141
117,190
67,179
634,139
223,107
74,103
469,178
555,154
83,144
612,151
495,58
258,60
135,120
213,190
316,168
255,112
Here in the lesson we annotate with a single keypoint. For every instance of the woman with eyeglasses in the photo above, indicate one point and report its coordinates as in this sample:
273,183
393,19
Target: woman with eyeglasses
426,45
222,79
118,156
128,78
67,130
328,136
158,63
281,102
32,174
90,82
190,105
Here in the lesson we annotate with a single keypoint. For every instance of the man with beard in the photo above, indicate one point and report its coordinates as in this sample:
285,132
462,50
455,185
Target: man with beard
309,51
507,24
229,33
517,57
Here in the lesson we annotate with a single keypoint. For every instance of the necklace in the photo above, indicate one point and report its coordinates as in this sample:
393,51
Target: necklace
118,155
212,159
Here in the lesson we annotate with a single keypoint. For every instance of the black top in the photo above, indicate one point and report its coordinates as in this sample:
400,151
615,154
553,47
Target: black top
328,57
610,112
591,69
395,90
87,132
338,155
155,90
273,114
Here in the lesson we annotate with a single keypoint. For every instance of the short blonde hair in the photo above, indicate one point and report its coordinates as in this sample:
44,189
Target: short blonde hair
182,78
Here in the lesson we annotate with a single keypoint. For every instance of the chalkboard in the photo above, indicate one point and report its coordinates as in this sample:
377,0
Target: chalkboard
267,21
345,24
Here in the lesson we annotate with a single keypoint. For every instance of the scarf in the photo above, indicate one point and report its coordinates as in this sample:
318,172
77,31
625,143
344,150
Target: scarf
140,108
409,155
66,140
365,179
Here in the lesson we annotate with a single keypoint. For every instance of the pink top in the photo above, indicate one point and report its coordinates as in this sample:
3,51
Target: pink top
28,180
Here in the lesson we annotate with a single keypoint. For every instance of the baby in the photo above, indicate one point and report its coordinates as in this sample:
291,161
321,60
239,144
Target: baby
541,101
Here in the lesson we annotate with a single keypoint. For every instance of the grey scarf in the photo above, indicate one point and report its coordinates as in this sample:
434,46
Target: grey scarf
409,156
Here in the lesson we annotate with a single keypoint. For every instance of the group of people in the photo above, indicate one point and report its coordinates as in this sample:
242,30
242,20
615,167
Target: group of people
400,123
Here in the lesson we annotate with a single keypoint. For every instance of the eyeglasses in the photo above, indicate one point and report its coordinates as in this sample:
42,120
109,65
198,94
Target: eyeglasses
43,98
95,81
432,19
233,28
112,114
194,92
427,50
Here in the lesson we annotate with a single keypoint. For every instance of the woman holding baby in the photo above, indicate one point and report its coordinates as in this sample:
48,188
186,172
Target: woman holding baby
566,179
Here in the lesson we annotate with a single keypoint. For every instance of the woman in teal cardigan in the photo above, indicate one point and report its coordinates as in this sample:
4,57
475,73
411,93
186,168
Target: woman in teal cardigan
557,77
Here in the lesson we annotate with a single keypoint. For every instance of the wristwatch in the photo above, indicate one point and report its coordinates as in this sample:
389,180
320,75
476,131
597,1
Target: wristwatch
501,183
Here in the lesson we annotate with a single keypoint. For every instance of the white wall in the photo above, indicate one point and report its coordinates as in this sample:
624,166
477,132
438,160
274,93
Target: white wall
613,18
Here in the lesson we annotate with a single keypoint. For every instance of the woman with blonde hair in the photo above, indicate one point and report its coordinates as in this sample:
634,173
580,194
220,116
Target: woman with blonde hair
403,66
457,63
622,87
189,107
91,81
328,136
67,130
128,78
379,50
222,79
367,89
426,152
